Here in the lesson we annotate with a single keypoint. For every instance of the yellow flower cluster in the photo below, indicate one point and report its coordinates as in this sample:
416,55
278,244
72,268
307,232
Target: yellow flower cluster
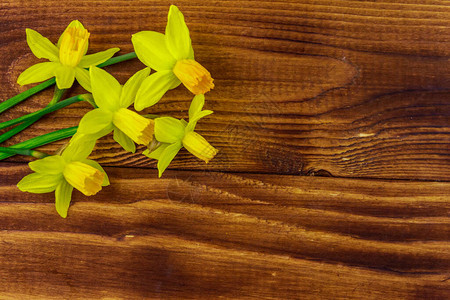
63,172
170,55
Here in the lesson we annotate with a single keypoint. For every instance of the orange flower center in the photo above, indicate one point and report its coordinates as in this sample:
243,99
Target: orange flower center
135,126
194,76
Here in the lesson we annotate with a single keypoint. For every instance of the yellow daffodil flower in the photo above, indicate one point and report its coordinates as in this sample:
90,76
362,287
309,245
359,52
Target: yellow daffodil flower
112,100
173,134
172,57
68,58
62,173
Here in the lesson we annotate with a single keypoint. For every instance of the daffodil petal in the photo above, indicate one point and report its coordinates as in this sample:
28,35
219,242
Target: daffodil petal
193,122
65,76
178,40
63,196
38,72
131,87
168,130
156,154
154,87
82,76
196,105
39,183
105,89
80,147
150,48
167,156
97,122
51,165
41,46
124,141
97,58
96,165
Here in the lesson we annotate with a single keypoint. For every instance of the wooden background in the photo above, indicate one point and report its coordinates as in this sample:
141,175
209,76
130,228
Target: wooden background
332,182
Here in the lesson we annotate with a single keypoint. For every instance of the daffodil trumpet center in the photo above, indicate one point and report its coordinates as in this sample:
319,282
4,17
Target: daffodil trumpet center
135,126
198,146
83,177
74,43
194,76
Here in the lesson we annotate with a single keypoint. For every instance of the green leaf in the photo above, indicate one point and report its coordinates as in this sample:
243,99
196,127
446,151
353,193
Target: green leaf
97,58
51,165
168,130
131,87
105,89
63,195
65,76
154,87
178,40
39,183
150,48
124,141
41,46
167,156
38,72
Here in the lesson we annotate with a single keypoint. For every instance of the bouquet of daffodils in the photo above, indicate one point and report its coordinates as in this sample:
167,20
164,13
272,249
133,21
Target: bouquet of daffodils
170,55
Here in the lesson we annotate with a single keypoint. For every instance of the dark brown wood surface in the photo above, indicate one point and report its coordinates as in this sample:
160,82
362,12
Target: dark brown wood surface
332,120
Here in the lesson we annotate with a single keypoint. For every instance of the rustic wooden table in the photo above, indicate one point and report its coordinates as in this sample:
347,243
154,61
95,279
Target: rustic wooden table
332,181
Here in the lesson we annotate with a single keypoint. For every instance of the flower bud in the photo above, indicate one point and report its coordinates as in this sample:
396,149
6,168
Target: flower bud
198,146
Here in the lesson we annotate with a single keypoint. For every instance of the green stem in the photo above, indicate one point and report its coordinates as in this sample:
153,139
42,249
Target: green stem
42,112
42,86
12,132
22,151
24,95
42,140
150,116
118,59
57,95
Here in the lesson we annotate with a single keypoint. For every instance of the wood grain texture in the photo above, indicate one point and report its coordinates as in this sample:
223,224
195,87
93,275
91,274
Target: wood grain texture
341,88
210,234
332,122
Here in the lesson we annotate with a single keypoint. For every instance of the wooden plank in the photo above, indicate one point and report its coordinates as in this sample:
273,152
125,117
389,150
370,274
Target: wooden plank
342,88
209,234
